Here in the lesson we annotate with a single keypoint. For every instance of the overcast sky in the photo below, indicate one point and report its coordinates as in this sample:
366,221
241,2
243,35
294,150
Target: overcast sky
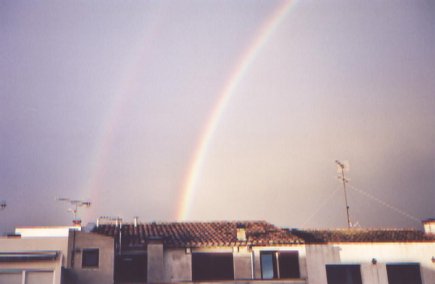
107,101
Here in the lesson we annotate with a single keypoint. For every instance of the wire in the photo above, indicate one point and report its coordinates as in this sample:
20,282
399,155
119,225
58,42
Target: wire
383,203
323,204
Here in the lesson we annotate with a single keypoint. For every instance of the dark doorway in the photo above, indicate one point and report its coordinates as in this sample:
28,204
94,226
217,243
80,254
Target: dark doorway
131,268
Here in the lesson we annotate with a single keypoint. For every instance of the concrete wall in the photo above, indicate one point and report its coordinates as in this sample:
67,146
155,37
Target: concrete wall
177,265
242,258
103,274
155,262
363,254
27,271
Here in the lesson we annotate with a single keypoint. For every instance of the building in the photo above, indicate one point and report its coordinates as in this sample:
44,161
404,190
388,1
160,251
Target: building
205,251
376,256
230,252
90,260
34,255
251,252
56,255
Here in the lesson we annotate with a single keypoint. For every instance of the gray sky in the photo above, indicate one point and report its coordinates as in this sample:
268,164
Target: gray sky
107,101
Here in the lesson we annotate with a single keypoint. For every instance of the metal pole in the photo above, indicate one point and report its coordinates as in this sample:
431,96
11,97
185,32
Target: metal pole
341,165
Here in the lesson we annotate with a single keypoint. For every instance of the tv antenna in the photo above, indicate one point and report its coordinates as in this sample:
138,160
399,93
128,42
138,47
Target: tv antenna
75,207
341,168
2,205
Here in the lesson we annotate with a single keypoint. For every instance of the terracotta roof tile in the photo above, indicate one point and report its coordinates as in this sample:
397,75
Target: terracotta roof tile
361,235
200,234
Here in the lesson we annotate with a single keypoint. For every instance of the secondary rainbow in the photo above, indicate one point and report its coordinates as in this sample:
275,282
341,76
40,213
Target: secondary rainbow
92,186
234,79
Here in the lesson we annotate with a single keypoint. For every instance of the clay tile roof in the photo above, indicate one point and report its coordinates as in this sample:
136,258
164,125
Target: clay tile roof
200,234
362,235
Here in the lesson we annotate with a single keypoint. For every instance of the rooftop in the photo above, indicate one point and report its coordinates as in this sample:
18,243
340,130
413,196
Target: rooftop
200,234
362,235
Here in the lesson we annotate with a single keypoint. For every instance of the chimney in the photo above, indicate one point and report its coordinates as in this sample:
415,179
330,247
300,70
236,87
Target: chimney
241,232
135,221
429,226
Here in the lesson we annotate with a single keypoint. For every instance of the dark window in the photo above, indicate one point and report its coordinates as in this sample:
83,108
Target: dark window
343,274
288,264
404,273
279,264
90,258
212,266
131,268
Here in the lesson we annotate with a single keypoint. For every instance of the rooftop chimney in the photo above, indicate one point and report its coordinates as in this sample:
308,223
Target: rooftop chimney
429,226
241,232
135,221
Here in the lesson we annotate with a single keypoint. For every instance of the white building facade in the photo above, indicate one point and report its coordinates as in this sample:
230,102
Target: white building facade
218,252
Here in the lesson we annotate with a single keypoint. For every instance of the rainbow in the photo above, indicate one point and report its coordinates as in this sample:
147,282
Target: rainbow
240,68
92,186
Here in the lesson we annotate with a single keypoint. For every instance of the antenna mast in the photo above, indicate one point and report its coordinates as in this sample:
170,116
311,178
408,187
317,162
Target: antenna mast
75,206
341,168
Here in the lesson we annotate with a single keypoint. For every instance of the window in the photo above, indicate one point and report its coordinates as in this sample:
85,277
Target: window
404,273
279,264
212,266
343,274
90,258
131,268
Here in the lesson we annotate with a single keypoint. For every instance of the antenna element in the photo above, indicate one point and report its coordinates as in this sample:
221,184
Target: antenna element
75,206
341,168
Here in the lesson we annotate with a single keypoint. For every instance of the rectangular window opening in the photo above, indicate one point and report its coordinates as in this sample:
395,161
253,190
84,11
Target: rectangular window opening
90,258
212,266
279,264
403,273
343,274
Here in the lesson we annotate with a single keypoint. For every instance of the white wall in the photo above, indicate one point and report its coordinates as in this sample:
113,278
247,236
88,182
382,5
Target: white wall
52,268
363,253
31,232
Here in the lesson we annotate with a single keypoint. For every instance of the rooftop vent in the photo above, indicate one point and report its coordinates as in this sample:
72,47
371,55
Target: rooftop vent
89,227
429,226
241,232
